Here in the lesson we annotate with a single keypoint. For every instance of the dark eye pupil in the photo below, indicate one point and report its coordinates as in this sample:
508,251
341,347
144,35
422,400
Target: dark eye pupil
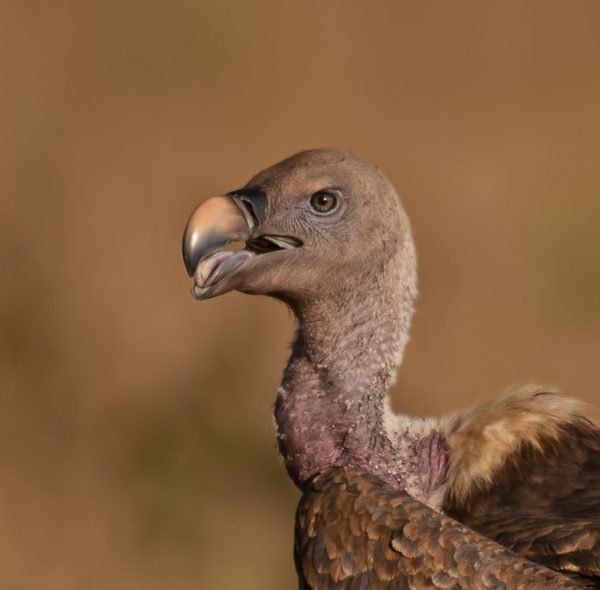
323,202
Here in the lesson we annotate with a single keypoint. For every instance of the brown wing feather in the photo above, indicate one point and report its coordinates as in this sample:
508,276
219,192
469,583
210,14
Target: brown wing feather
354,532
544,503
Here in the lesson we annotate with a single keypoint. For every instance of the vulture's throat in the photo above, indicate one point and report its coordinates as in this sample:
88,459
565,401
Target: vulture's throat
332,407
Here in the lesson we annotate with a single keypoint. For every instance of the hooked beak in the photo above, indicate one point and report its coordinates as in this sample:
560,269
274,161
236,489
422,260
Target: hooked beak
212,226
218,221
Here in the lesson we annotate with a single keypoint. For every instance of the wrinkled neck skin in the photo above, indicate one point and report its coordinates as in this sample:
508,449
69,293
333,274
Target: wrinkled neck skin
332,408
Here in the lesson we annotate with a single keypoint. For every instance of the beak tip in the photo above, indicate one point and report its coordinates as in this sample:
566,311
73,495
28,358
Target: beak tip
189,260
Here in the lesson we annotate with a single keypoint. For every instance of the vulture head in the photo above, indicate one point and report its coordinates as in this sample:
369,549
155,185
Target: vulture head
322,225
323,231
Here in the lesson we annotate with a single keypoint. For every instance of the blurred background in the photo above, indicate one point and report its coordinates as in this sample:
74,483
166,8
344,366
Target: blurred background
136,439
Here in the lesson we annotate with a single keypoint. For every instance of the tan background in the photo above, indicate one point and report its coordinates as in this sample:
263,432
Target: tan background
136,445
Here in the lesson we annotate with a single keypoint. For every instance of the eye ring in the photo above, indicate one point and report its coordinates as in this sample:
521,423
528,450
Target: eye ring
324,202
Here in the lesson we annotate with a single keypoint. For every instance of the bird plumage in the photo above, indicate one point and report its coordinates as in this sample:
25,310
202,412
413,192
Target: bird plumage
355,532
542,500
523,471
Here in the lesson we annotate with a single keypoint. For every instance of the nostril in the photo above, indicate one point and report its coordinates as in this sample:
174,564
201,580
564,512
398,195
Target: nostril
252,203
249,211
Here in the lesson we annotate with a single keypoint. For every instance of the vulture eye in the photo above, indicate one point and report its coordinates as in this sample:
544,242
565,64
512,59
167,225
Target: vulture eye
323,202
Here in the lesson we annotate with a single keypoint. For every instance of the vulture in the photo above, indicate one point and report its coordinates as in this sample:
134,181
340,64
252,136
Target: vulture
502,495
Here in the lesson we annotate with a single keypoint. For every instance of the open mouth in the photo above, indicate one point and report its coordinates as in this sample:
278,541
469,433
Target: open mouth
219,265
272,243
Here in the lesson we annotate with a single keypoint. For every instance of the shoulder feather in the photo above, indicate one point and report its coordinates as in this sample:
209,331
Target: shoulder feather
482,438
